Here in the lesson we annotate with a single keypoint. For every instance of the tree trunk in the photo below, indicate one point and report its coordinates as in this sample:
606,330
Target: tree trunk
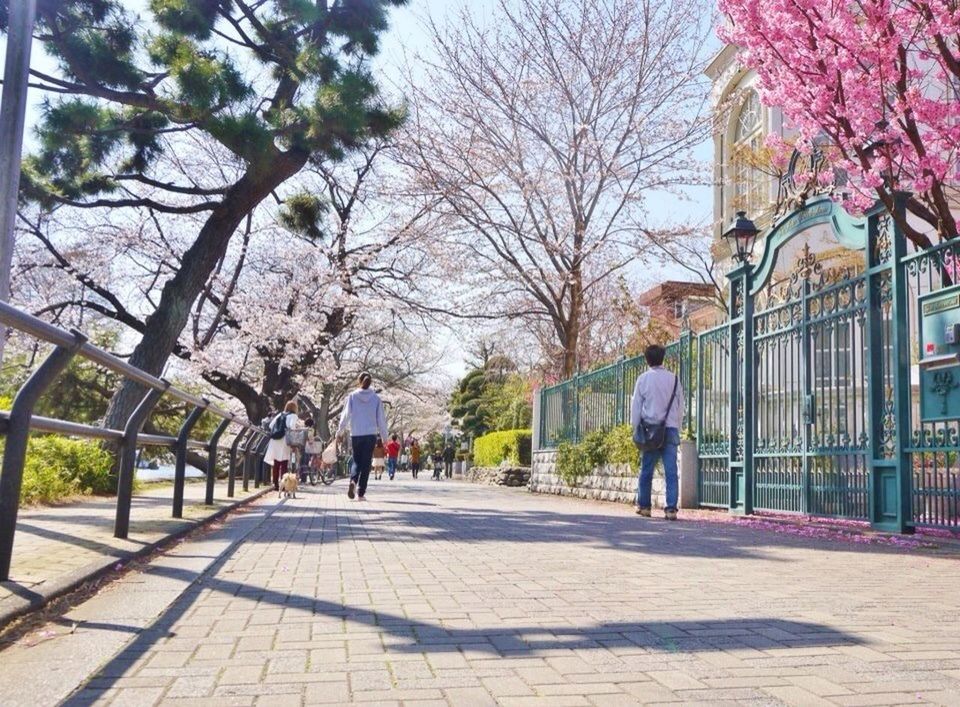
322,419
570,334
164,326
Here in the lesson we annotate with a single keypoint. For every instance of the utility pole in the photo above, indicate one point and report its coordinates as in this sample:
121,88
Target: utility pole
13,108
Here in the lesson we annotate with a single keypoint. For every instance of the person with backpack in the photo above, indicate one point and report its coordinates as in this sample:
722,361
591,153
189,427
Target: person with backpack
278,451
656,414
363,418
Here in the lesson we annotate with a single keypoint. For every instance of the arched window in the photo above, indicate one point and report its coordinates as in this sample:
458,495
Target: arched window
748,178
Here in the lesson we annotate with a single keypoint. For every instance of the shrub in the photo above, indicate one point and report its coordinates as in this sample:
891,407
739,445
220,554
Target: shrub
594,447
573,463
514,446
58,467
618,446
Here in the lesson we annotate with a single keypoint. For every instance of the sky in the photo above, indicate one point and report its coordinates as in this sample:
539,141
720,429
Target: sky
405,38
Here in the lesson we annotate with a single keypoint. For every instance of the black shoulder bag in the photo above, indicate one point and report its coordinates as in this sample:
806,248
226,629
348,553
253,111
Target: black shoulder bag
650,436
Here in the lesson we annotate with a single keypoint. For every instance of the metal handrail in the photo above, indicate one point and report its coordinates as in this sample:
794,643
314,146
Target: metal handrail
19,421
39,329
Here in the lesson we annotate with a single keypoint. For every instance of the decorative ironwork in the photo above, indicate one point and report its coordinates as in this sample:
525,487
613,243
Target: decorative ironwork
736,304
888,425
802,181
883,246
943,384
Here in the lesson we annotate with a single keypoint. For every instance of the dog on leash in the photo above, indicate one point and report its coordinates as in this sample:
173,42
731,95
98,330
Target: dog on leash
288,485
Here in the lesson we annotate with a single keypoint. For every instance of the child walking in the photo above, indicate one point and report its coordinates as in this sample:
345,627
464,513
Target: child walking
379,457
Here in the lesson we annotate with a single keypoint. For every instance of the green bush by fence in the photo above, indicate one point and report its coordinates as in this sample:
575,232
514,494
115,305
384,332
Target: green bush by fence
511,445
58,467
615,446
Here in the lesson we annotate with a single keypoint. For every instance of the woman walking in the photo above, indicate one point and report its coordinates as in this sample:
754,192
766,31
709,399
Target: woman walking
364,418
278,451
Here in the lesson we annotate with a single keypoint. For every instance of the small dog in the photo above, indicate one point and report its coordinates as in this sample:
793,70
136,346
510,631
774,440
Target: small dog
288,485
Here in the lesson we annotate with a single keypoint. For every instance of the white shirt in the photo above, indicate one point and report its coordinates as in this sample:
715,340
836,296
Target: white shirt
651,395
363,414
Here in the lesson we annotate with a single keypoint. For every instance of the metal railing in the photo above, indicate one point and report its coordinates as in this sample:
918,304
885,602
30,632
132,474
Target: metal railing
246,449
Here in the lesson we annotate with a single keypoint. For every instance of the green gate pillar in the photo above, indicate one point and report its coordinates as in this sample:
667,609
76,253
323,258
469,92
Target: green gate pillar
888,374
741,403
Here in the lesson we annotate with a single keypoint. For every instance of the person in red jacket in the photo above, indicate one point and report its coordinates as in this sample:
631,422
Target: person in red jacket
393,453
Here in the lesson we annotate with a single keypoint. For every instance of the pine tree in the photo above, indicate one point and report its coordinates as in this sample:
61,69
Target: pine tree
273,83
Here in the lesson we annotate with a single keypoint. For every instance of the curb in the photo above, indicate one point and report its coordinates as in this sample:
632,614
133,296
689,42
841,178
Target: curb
55,589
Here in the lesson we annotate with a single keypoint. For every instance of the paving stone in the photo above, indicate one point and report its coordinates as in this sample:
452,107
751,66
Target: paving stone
462,595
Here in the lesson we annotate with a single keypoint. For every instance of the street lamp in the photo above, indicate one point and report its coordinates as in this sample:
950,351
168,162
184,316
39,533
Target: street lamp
743,233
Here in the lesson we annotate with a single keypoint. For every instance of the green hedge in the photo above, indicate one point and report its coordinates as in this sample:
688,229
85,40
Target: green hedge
59,467
511,445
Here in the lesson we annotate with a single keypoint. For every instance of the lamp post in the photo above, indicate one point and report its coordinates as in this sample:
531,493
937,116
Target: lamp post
743,232
13,108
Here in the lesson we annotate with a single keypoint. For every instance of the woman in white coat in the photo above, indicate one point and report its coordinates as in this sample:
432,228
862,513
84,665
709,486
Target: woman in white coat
278,451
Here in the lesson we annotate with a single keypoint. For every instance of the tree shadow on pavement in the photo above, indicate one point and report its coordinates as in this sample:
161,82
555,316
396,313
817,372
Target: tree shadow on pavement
383,523
405,635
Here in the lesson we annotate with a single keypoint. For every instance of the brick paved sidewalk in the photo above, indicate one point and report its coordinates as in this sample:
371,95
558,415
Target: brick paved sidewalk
450,594
57,545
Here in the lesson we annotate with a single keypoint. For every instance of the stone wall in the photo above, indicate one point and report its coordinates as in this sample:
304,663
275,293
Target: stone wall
499,475
613,482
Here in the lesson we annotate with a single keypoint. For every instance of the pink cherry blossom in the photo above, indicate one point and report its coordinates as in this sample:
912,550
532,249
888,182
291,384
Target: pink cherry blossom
876,80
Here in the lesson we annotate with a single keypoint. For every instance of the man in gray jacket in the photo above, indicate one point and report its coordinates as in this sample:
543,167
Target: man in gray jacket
652,403
364,417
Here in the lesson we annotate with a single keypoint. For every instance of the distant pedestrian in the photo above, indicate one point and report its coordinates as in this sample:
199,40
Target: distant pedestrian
379,459
658,398
393,454
437,459
414,458
363,416
448,456
278,451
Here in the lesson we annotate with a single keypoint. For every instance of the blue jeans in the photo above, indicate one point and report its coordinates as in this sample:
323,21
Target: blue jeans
391,466
648,461
362,461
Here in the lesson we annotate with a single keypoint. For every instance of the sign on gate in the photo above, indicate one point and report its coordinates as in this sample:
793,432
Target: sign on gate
940,357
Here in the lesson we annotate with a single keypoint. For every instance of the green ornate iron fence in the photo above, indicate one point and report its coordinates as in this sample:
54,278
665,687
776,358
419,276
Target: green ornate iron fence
829,391
600,399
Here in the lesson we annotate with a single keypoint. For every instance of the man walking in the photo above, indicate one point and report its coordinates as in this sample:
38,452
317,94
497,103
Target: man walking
364,417
657,398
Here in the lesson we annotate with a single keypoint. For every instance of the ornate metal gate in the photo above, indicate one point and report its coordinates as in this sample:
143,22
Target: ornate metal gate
811,420
802,410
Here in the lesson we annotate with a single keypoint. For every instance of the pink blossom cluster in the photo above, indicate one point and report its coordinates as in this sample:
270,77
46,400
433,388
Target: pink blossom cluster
878,79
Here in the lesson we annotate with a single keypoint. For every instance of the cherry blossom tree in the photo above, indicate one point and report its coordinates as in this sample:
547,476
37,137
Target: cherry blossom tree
274,84
542,136
311,293
878,81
